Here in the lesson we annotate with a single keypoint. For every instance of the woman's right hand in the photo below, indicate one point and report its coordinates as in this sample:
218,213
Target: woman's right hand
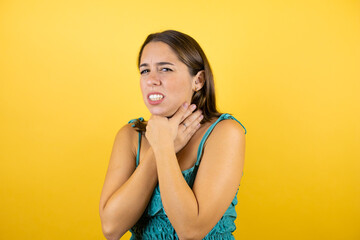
189,124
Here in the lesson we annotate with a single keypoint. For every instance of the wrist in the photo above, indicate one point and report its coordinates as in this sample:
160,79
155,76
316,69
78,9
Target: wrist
166,146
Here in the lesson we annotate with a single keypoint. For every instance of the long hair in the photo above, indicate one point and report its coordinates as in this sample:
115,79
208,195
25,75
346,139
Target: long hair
190,53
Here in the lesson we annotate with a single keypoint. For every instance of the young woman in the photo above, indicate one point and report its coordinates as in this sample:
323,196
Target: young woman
175,176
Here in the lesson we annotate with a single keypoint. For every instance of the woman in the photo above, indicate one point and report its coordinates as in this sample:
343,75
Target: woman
170,178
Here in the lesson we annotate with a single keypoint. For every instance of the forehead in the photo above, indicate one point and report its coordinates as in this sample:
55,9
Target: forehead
158,52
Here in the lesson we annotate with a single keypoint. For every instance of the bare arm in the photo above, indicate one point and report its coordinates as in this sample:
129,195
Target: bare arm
126,190
194,212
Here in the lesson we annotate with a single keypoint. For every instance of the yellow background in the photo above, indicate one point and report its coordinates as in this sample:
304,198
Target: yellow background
288,70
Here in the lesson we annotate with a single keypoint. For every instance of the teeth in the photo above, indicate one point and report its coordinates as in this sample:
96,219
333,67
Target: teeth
155,97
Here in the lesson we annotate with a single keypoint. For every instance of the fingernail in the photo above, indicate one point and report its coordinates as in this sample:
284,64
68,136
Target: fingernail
193,106
185,105
201,117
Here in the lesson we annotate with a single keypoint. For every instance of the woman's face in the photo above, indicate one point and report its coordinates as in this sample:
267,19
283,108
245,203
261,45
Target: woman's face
165,81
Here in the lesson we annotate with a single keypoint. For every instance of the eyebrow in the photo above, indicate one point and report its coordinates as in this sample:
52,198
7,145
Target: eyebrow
158,64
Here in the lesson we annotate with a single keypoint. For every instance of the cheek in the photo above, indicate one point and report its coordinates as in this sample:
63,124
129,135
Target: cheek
181,94
180,86
184,88
142,87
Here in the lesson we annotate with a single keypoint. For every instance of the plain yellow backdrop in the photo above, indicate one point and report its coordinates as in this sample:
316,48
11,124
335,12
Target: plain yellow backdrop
288,70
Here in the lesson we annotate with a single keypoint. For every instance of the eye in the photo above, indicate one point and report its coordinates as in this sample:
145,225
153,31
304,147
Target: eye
144,71
166,70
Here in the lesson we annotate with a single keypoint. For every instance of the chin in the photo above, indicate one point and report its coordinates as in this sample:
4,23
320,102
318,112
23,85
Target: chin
161,112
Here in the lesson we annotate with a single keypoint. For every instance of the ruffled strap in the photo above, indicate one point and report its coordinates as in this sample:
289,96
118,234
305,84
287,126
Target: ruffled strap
139,141
141,119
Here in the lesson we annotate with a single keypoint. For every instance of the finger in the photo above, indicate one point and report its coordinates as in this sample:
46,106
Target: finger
188,112
183,126
183,111
194,129
190,119
194,125
191,131
179,113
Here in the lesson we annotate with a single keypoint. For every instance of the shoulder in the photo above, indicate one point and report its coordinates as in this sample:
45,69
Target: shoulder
126,131
227,129
228,140
127,135
124,148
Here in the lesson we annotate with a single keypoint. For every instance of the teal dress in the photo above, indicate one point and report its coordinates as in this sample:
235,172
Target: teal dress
154,223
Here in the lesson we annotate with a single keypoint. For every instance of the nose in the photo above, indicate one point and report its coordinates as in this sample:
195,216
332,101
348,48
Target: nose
153,79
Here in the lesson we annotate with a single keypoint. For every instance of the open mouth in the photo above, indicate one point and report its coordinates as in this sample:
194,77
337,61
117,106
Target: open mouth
156,97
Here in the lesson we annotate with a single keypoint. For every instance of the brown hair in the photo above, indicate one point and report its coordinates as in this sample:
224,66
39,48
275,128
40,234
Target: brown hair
190,53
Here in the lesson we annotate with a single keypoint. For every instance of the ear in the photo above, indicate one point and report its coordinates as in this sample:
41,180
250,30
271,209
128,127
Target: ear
198,81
